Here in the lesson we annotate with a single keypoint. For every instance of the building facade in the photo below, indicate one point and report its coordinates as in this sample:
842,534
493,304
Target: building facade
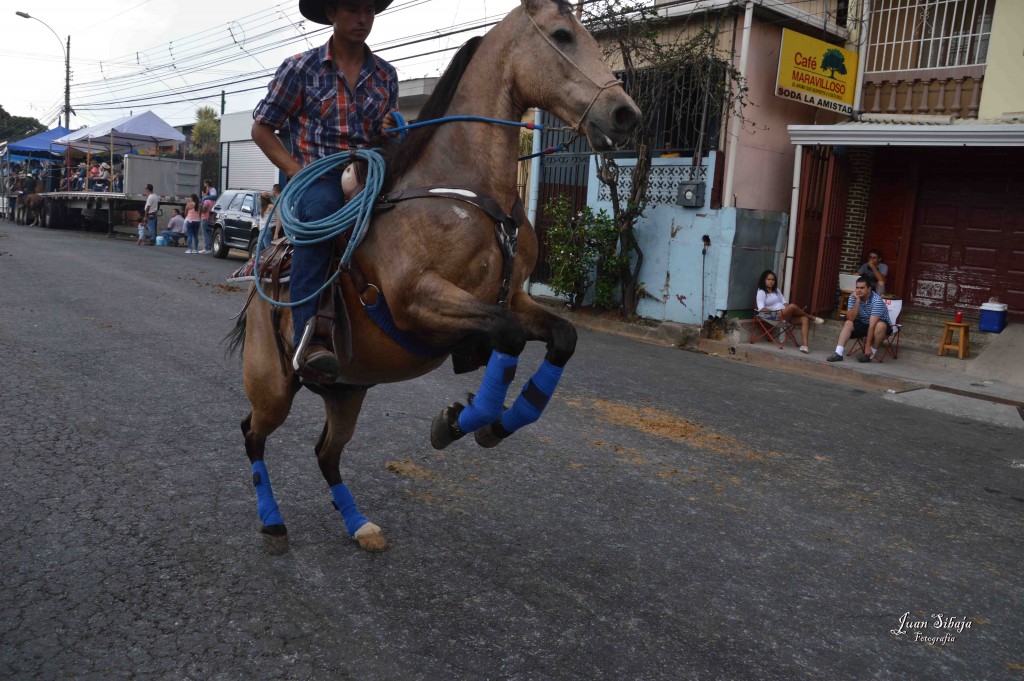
929,171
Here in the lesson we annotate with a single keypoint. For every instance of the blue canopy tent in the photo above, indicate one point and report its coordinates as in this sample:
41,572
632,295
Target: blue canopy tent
38,146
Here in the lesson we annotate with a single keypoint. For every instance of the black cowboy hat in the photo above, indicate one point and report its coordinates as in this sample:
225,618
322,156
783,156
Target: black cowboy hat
314,10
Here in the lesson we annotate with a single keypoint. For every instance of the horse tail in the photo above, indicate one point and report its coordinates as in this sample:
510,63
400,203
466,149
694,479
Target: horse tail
235,340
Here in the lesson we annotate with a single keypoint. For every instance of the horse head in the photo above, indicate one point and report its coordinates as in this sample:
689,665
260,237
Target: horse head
557,65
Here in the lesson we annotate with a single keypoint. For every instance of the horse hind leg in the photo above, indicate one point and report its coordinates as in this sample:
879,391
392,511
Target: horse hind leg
343,407
560,337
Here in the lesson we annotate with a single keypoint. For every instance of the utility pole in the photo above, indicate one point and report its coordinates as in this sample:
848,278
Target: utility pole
67,87
223,98
67,66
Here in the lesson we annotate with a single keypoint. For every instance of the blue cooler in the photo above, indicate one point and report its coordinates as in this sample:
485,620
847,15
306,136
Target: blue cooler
993,317
161,241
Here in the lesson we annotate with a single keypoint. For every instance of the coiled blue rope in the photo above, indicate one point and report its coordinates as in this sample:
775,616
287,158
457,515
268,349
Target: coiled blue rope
356,213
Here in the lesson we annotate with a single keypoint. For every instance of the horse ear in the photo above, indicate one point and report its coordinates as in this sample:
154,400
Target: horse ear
533,6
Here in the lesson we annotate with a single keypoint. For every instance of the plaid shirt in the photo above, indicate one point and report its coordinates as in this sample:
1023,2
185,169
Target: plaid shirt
309,98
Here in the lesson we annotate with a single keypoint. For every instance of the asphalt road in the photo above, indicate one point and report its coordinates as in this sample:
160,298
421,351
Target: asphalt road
673,516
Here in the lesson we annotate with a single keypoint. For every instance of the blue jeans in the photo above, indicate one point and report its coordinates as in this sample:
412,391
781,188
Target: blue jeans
151,228
193,235
207,239
310,263
172,237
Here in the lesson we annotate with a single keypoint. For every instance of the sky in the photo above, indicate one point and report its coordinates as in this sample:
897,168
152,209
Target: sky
159,53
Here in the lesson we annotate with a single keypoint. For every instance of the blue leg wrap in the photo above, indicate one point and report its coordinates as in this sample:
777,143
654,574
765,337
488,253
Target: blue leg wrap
533,398
265,503
344,502
490,399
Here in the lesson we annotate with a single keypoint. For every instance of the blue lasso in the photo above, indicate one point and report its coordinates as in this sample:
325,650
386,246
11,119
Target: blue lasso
354,215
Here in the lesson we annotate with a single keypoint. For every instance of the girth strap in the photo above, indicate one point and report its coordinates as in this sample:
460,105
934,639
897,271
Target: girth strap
506,226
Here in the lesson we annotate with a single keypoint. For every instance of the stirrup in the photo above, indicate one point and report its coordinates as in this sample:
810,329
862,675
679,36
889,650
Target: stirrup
304,371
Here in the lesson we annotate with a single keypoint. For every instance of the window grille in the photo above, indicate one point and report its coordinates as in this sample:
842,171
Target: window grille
910,35
677,108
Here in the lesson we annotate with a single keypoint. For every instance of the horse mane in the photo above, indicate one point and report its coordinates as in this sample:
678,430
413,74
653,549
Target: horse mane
401,156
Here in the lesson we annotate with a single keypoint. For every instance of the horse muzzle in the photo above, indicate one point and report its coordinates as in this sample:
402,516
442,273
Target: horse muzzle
612,123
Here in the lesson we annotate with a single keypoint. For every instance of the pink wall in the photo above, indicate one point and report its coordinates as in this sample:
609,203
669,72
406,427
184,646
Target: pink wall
764,158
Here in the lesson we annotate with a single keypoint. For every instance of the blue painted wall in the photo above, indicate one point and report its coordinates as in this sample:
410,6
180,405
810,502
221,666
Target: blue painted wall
683,284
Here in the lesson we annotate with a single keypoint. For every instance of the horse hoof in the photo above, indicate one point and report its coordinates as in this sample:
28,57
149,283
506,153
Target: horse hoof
275,539
371,538
444,429
487,437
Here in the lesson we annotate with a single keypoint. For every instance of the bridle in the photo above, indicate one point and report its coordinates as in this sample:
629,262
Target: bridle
600,88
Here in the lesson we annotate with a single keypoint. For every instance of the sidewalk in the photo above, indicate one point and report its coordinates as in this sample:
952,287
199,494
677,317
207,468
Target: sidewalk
988,387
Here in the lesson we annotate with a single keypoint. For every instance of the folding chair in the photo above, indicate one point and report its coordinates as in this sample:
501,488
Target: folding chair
891,343
775,330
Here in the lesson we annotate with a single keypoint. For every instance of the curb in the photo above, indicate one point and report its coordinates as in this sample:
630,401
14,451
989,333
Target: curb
830,372
655,333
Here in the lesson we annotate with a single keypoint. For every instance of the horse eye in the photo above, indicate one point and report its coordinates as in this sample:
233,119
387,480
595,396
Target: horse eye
562,36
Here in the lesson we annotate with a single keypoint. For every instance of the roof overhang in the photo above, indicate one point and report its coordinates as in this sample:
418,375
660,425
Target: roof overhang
859,134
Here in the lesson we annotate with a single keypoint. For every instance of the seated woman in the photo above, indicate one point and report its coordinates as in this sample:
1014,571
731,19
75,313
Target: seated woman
772,306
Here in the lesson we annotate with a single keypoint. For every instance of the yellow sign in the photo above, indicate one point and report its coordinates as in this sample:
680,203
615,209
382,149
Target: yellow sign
814,72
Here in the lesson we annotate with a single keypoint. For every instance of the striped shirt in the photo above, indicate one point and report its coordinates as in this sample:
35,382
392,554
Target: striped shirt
874,307
322,113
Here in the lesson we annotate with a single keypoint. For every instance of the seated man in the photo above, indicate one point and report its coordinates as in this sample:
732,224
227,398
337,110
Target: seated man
175,229
866,317
875,269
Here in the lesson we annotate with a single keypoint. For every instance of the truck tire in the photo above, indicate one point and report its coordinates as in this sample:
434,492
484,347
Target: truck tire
253,242
220,249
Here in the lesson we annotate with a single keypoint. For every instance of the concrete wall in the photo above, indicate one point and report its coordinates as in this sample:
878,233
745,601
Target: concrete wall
1003,91
683,284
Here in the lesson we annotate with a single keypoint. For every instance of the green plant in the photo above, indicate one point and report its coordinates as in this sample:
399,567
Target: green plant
582,251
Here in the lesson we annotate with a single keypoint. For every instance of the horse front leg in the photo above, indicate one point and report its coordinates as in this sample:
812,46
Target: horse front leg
446,315
343,407
560,337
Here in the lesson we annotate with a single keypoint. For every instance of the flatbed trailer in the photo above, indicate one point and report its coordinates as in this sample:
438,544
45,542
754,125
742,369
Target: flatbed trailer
173,180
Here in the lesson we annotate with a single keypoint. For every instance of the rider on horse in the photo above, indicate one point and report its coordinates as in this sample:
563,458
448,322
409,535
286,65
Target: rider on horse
329,99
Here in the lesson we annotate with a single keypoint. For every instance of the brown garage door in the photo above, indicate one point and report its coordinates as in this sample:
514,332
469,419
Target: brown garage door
968,239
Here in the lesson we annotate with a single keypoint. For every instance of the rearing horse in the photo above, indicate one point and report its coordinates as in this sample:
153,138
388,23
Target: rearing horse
437,262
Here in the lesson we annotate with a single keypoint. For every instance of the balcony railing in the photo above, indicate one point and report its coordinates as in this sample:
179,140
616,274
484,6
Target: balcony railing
927,56
952,92
908,35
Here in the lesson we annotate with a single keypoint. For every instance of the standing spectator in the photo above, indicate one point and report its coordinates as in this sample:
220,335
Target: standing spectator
150,213
175,229
192,221
209,197
206,206
276,191
270,222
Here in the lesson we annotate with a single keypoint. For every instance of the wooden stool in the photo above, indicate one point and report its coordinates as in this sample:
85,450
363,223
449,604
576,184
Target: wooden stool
963,344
